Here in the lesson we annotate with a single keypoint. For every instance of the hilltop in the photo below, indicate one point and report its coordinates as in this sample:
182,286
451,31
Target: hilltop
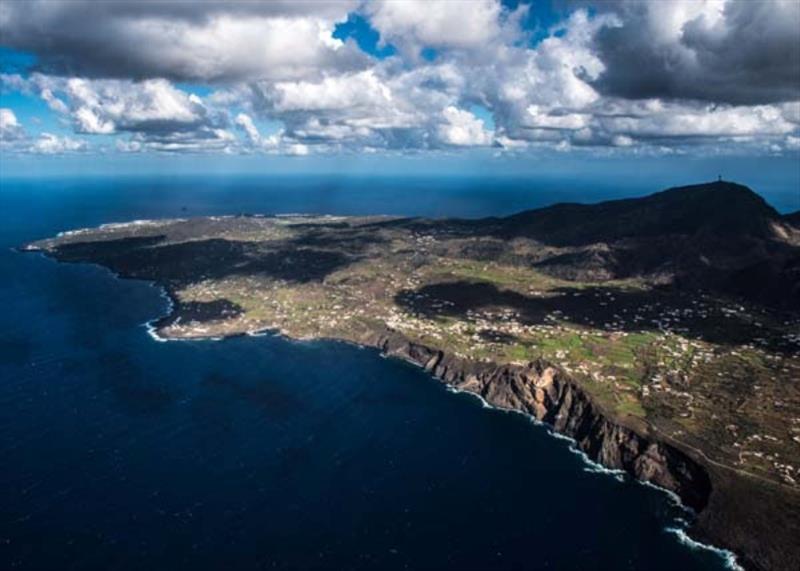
720,236
717,208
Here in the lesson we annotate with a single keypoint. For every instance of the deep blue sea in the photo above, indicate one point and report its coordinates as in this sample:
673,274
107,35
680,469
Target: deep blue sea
120,452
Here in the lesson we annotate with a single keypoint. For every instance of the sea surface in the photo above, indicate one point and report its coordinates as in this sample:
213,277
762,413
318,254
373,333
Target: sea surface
121,452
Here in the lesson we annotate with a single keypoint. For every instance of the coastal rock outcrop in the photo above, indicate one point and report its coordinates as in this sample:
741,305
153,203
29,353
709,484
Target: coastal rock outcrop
549,395
725,501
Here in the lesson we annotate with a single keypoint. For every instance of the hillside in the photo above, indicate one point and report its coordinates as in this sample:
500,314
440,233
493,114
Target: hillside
720,236
718,208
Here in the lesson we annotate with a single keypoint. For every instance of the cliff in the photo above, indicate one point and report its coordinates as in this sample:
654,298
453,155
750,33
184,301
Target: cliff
726,503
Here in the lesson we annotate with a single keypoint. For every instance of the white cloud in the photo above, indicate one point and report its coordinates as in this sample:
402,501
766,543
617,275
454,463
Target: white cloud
622,141
54,102
298,149
730,51
50,144
10,128
544,119
130,146
182,40
156,113
363,89
14,138
462,128
246,124
276,144
87,121
278,62
414,24
108,106
705,121
371,109
791,112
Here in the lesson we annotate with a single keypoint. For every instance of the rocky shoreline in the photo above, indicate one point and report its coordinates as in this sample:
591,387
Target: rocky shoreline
550,396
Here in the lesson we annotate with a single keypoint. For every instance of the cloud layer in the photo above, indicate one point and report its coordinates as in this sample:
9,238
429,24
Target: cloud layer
14,138
193,41
629,76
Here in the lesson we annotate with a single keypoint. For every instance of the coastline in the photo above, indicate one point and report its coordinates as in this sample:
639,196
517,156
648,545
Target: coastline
730,559
740,517
682,533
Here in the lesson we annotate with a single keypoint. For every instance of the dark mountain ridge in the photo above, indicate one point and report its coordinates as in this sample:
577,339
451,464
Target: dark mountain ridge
793,218
719,208
720,236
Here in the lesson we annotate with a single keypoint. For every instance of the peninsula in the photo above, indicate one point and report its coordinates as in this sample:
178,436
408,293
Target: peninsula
661,333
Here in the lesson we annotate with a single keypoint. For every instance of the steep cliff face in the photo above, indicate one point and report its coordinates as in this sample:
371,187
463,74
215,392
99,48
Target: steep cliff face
731,510
549,395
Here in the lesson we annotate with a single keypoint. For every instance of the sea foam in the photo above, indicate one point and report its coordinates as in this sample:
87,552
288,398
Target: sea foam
591,466
727,556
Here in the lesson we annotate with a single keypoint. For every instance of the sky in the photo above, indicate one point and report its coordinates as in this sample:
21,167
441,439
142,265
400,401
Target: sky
498,87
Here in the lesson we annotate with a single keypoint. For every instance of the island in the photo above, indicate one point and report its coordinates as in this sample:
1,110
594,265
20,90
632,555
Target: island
661,333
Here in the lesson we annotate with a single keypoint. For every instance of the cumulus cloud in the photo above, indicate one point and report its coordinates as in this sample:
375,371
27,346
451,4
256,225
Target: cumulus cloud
10,128
245,122
370,109
109,106
332,93
210,40
415,24
50,144
715,50
462,128
630,75
277,143
14,138
545,93
156,113
670,120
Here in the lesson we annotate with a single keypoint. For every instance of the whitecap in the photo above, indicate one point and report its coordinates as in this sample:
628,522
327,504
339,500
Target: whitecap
728,556
258,333
674,498
620,475
152,331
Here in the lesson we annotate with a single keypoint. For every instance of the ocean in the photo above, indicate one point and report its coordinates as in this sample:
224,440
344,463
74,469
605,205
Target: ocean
120,452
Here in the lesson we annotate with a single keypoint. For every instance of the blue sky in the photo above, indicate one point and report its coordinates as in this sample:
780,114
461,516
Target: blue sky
503,88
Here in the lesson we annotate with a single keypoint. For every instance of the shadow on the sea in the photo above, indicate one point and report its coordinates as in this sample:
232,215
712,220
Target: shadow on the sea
269,397
15,350
602,308
134,389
